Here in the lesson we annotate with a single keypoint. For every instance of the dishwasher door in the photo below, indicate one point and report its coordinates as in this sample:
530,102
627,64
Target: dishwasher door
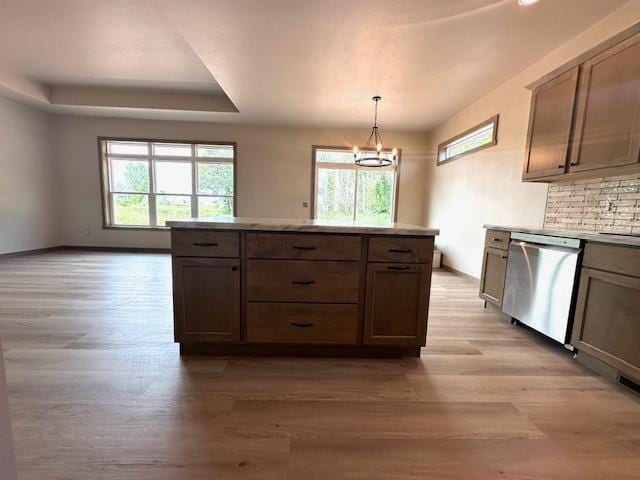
539,287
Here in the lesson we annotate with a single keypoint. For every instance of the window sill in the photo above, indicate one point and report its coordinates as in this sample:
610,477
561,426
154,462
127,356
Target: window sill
136,228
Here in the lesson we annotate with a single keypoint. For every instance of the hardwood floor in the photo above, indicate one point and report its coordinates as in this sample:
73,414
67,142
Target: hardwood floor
98,390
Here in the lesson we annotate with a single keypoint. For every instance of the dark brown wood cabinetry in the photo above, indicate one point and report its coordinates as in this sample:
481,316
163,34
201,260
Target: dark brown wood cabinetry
206,299
607,132
392,314
494,266
585,119
550,126
607,319
283,292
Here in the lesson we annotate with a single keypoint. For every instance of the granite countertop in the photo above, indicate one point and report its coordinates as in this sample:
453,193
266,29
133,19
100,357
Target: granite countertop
301,225
618,239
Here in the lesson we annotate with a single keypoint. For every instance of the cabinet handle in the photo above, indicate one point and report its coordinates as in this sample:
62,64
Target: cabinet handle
399,250
573,164
234,269
503,256
303,282
398,267
303,247
205,244
302,325
496,239
561,166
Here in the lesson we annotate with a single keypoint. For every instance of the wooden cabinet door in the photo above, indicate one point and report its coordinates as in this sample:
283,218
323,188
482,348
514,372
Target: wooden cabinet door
396,304
607,129
494,270
206,299
607,319
550,123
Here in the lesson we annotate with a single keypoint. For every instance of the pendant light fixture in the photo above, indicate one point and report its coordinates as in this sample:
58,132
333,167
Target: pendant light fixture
372,155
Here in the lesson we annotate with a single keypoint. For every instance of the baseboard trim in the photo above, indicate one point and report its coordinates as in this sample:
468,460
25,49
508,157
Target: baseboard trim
85,248
89,248
462,274
35,251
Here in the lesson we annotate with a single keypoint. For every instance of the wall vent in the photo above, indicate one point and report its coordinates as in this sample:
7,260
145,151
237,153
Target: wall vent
630,384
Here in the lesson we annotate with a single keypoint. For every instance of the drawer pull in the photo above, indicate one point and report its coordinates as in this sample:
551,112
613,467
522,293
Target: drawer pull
303,247
205,244
399,267
496,239
302,325
399,250
503,256
303,282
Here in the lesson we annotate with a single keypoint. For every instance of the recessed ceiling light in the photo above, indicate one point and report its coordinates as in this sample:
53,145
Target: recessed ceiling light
527,2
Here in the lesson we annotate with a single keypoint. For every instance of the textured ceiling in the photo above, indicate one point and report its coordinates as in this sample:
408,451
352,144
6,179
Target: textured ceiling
292,61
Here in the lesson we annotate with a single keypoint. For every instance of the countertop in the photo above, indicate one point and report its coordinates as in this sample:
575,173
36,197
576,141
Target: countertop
589,236
301,225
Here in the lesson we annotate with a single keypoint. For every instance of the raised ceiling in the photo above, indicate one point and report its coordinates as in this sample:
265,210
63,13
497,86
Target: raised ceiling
281,61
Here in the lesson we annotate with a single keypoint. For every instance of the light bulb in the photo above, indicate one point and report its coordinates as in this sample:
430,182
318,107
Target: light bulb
379,147
355,150
394,151
526,2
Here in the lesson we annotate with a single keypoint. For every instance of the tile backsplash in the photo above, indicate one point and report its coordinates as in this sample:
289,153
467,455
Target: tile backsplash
610,204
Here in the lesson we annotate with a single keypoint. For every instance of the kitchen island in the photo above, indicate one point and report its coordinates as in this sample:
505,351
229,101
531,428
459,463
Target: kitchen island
300,287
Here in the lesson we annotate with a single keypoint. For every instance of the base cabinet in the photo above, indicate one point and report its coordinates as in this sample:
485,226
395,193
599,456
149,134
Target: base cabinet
607,320
206,299
494,271
302,294
392,314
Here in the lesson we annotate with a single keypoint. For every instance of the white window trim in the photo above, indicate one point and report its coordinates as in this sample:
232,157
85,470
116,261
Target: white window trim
192,159
394,167
441,157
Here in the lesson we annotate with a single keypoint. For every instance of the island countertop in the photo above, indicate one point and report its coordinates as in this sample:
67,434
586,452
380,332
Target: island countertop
301,225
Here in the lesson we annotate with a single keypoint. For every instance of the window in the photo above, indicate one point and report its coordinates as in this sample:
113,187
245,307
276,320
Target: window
477,138
146,183
343,191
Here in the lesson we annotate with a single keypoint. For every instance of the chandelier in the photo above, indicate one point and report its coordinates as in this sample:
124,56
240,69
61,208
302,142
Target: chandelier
373,154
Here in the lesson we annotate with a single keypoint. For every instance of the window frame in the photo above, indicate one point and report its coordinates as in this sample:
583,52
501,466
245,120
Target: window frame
104,168
352,166
494,141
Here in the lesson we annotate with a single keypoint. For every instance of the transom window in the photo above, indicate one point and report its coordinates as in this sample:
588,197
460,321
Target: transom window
146,183
477,138
343,191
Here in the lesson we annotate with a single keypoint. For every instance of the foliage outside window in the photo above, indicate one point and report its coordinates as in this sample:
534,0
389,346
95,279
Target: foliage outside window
147,183
477,138
345,192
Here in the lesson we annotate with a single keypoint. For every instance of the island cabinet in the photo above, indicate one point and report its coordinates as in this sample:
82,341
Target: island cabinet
494,266
607,319
585,117
255,292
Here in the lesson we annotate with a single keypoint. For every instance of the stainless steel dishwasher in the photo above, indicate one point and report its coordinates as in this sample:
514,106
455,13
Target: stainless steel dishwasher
541,282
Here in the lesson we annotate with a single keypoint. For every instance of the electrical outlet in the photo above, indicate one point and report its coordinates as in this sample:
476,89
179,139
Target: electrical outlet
87,232
607,206
305,204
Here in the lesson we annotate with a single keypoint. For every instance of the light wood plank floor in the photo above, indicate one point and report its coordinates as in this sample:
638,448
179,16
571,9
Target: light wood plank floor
99,391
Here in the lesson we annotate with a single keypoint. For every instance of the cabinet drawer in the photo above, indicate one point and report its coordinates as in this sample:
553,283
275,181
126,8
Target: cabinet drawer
205,244
497,239
401,249
612,258
304,247
301,323
302,281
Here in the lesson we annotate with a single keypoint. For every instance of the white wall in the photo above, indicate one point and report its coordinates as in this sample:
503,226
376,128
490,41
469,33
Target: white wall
486,187
274,170
28,201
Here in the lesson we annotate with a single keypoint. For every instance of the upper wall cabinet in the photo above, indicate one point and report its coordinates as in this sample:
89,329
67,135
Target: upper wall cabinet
550,123
607,132
585,117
